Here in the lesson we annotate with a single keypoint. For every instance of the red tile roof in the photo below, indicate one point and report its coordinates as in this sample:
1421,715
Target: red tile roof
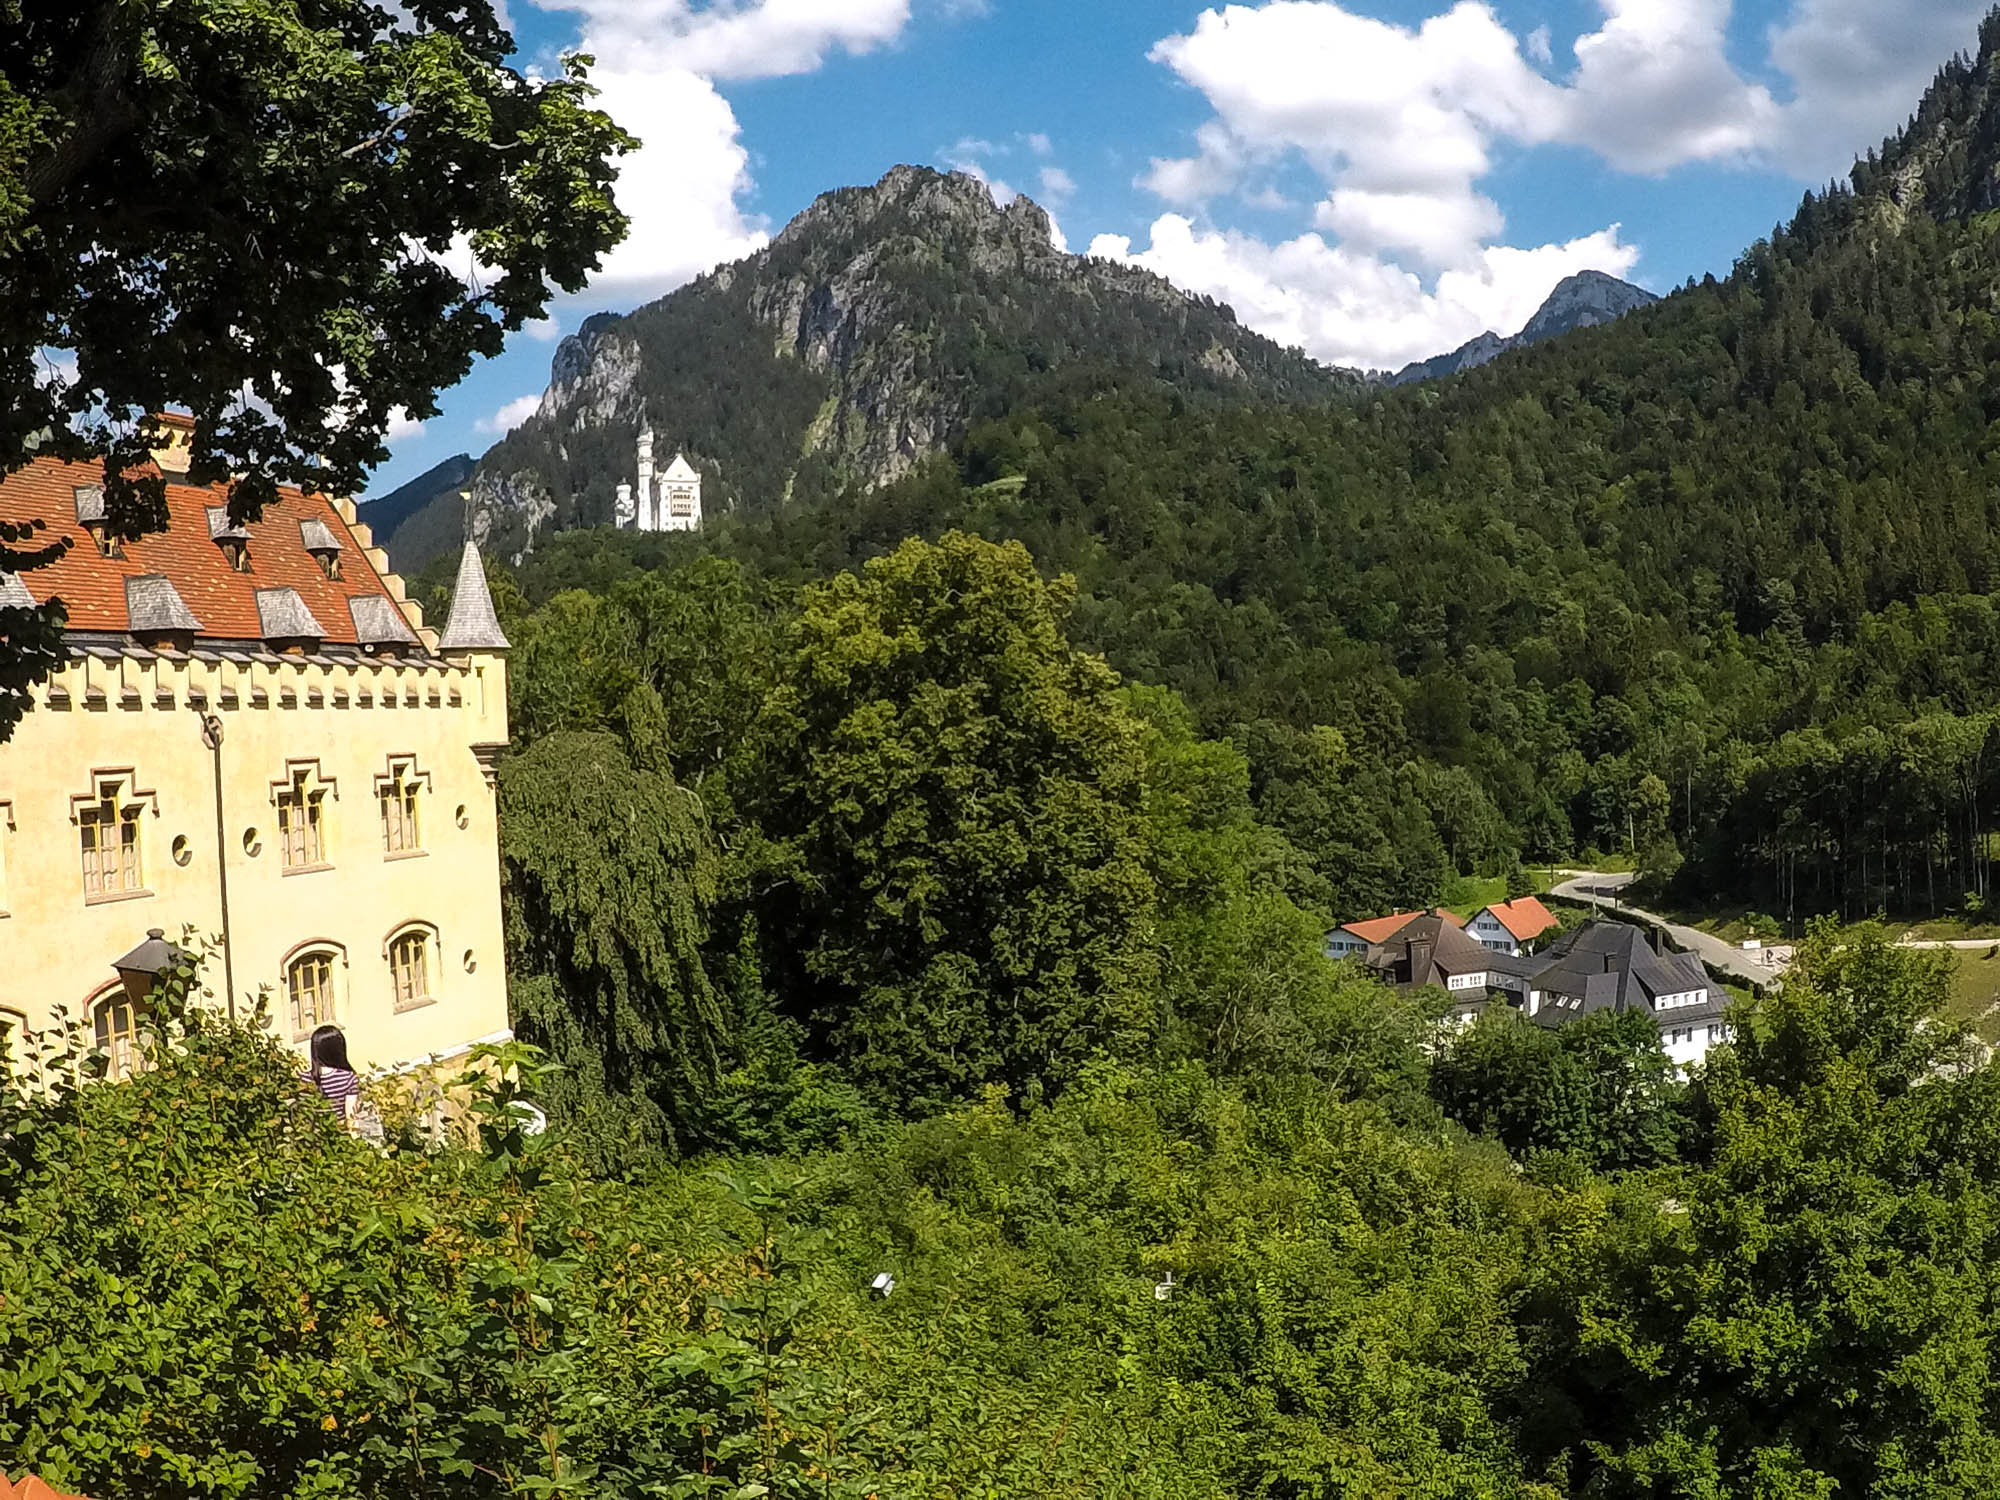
1524,917
30,1488
225,601
1381,929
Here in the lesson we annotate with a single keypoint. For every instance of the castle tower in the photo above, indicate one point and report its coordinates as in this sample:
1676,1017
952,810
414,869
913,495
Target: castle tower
648,511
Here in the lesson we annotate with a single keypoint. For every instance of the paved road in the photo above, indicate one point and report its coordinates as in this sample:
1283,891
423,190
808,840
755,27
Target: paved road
1588,885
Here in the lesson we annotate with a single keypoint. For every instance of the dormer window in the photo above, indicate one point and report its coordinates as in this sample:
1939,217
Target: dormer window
90,514
323,545
234,540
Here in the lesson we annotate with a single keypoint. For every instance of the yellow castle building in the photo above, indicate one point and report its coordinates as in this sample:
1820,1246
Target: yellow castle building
254,735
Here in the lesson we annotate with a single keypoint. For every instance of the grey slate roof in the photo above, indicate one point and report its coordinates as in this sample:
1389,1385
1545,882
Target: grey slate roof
89,502
472,624
14,593
377,621
1611,966
318,536
282,616
219,528
153,603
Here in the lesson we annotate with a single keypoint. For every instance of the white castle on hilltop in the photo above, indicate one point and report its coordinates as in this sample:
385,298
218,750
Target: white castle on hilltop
663,502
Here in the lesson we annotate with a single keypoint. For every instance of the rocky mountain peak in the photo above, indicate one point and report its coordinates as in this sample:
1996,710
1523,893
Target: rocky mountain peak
1579,301
924,201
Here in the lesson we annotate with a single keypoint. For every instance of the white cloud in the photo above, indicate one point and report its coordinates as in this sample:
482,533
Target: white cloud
510,416
1058,186
1040,144
759,39
543,330
1401,125
683,189
1350,308
402,427
1857,68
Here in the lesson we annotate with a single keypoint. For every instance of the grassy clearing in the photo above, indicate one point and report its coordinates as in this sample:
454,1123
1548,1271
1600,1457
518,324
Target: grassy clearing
1465,894
1975,990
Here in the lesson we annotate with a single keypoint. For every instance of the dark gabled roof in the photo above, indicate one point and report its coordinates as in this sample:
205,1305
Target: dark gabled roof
1611,966
1429,950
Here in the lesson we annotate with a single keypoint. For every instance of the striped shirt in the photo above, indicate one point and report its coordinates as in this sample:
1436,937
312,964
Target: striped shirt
336,1086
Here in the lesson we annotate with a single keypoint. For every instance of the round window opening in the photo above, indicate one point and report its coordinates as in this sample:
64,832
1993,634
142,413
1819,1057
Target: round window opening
471,963
182,850
252,844
459,817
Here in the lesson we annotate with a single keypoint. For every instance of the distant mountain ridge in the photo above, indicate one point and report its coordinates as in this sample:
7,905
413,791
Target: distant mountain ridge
1585,300
879,325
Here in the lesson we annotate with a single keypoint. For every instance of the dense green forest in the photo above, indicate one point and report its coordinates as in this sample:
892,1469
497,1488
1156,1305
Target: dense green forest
1713,586
915,902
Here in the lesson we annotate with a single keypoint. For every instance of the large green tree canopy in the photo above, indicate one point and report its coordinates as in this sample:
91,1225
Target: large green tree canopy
290,217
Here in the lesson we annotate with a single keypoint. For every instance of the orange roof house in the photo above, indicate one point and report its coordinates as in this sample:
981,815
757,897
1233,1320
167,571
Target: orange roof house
1353,938
1506,925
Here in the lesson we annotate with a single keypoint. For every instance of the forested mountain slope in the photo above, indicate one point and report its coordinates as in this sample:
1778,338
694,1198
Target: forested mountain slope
1715,581
870,332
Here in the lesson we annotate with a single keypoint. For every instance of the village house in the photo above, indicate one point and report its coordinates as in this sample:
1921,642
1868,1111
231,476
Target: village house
1611,966
254,736
1433,949
1354,939
1509,926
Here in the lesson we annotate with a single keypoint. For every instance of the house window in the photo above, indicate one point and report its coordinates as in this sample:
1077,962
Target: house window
1680,1035
117,1021
309,987
397,796
108,830
238,553
302,823
410,967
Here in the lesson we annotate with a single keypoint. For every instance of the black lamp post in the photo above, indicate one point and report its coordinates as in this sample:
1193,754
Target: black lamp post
141,969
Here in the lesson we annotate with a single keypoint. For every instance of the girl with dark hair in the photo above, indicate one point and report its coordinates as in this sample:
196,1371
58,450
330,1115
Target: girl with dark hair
332,1074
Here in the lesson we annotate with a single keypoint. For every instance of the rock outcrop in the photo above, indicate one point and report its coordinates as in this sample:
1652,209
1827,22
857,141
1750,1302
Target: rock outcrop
1580,301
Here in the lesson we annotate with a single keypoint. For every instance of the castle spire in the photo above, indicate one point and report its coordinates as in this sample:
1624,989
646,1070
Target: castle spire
472,625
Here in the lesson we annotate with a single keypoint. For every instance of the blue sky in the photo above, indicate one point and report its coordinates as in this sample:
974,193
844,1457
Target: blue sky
1373,180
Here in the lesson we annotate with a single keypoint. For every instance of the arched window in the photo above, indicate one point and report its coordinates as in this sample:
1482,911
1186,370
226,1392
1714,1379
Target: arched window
117,1021
412,965
309,989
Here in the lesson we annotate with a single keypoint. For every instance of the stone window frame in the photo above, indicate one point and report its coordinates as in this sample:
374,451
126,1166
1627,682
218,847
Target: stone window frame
118,785
304,791
414,779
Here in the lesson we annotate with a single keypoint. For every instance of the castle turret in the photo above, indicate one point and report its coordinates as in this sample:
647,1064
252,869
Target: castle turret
648,505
